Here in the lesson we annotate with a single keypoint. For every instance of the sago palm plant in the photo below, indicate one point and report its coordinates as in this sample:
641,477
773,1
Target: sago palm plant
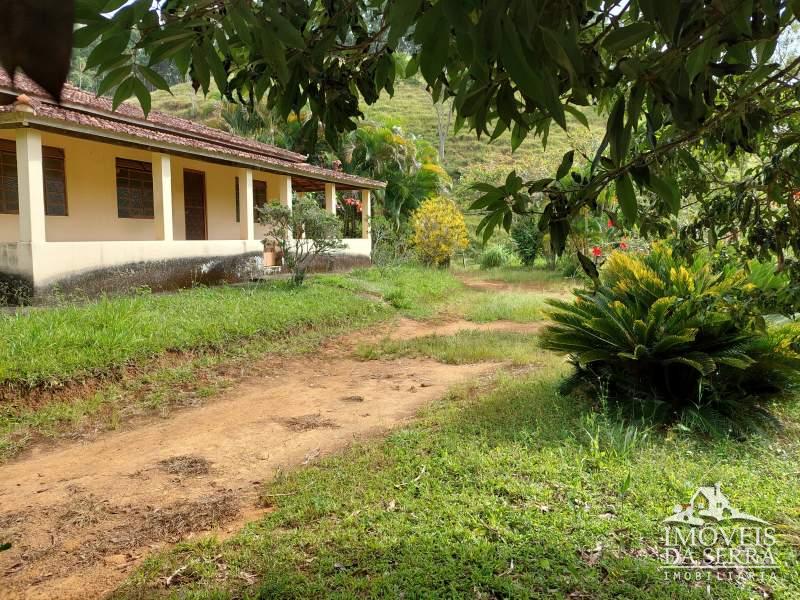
660,336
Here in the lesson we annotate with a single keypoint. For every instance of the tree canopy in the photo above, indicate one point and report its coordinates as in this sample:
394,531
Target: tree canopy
681,82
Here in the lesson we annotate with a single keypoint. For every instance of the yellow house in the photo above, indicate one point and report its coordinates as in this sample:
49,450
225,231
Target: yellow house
96,200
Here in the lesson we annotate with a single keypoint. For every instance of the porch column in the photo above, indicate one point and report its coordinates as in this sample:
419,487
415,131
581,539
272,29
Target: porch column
30,185
285,191
162,196
366,213
330,198
246,218
285,196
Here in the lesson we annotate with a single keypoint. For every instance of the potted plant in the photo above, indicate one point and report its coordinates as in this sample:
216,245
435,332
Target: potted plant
270,255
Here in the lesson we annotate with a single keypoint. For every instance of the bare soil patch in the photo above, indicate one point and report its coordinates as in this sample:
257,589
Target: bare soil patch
407,329
186,464
81,514
547,288
308,422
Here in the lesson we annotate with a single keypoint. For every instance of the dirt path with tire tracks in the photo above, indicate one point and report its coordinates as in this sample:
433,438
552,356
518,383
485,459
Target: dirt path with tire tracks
82,515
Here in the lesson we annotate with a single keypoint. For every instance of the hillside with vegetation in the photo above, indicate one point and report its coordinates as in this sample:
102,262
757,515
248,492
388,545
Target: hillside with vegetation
412,109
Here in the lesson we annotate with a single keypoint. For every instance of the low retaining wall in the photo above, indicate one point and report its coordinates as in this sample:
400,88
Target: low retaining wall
89,269
157,275
339,262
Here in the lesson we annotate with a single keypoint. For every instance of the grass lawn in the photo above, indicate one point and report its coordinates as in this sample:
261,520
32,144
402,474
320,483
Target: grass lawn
508,306
507,490
73,341
512,492
204,330
463,347
59,344
502,489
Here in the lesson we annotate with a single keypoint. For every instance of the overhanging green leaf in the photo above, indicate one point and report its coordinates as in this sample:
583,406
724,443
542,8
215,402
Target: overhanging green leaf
625,37
627,198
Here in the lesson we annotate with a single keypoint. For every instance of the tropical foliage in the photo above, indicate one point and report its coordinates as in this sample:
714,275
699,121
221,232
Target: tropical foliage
408,166
706,75
663,339
391,245
439,231
527,240
260,123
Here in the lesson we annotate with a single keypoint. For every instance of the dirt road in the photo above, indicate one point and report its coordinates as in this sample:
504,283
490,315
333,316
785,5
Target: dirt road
83,514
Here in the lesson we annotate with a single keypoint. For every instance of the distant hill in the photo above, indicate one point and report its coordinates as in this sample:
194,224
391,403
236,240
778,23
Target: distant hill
412,109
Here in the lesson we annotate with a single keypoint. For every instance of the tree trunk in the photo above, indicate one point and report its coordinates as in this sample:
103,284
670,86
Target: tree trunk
444,117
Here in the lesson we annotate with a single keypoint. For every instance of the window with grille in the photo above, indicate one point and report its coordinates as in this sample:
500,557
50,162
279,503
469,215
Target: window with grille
55,182
54,175
134,189
259,196
238,218
9,193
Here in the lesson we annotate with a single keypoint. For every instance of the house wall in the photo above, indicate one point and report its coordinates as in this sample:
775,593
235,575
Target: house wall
220,199
92,250
90,168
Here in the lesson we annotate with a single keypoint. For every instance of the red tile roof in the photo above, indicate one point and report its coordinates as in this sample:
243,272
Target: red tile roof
87,110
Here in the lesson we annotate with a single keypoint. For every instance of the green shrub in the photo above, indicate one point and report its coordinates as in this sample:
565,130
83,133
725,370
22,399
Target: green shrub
569,266
527,240
391,243
494,257
662,340
304,233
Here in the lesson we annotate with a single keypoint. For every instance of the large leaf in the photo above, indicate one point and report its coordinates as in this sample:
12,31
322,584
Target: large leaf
538,87
108,50
283,28
588,266
401,16
124,91
616,131
566,164
142,94
627,198
625,37
667,190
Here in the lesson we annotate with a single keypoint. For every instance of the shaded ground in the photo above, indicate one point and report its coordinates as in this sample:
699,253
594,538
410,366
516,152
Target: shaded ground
545,287
81,515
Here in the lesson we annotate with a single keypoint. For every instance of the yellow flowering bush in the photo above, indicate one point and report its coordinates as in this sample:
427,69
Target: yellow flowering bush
439,231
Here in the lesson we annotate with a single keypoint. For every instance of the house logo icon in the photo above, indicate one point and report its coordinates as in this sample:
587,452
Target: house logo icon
709,504
709,537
